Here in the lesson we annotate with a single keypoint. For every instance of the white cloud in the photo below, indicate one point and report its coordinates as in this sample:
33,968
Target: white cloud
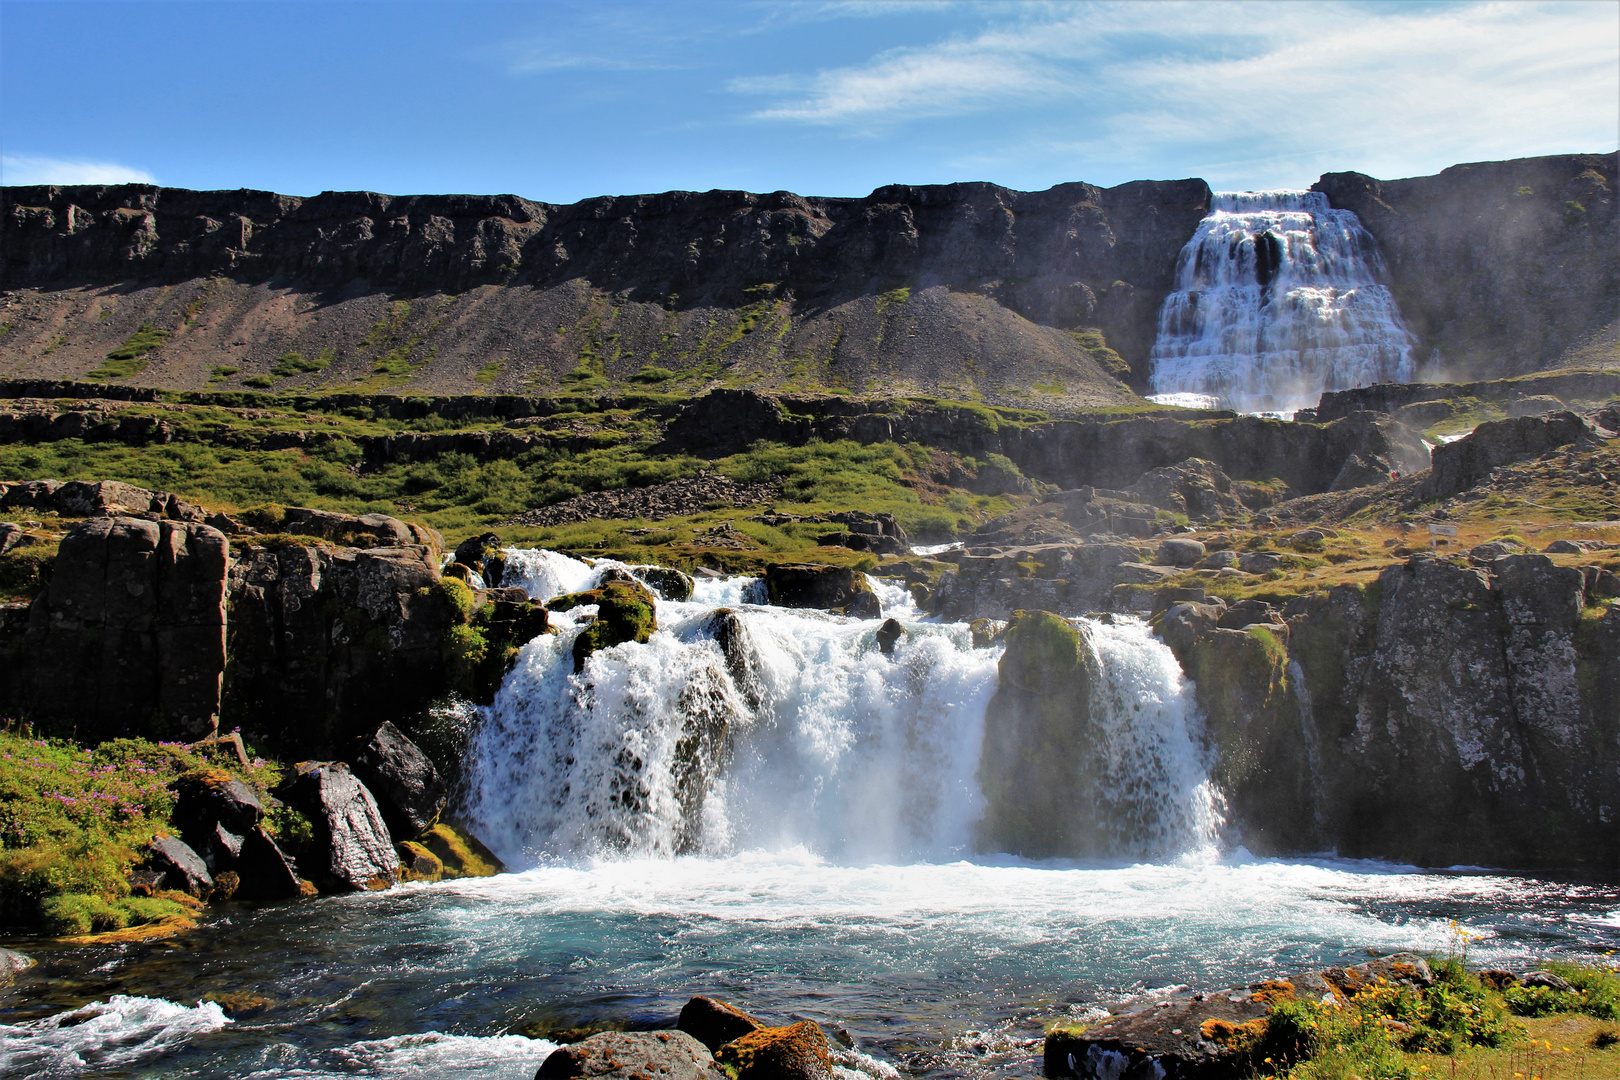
1247,87
21,170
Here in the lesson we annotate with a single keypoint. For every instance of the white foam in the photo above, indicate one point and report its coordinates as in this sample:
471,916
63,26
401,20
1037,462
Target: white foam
936,549
120,1032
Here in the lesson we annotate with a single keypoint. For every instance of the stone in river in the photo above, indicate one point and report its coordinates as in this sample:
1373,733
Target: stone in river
632,1055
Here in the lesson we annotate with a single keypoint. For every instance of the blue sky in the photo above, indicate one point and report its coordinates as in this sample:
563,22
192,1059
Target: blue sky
562,101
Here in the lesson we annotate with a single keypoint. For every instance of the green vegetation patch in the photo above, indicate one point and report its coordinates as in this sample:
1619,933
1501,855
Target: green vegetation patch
130,357
291,364
73,820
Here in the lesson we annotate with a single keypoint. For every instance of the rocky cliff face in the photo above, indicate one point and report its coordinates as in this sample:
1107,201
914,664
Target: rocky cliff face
1447,714
1502,267
927,285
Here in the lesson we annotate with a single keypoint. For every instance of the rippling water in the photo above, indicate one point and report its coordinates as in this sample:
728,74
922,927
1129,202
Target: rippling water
935,969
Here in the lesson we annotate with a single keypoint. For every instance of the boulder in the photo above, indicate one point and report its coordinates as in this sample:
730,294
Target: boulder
11,535
632,1055
987,632
179,866
668,583
889,634
625,611
1218,560
483,555
1259,562
834,588
12,964
210,799
1178,551
264,871
408,790
446,851
350,849
1564,547
714,1023
795,1052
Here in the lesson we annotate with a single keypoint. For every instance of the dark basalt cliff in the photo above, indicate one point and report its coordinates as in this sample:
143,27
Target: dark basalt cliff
919,285
1502,267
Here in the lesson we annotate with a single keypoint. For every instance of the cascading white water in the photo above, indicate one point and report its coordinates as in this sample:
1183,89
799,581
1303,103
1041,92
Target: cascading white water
1278,299
743,726
1155,761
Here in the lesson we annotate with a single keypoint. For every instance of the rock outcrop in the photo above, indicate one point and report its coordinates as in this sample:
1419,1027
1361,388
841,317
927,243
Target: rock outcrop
1494,684
1501,266
833,588
1459,465
129,636
327,643
408,789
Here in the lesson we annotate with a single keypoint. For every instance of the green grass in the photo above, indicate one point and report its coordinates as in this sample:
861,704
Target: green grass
491,371
260,382
130,358
221,373
72,822
291,364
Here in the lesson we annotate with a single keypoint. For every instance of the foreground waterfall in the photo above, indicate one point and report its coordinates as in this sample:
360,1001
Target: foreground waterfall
1277,299
742,726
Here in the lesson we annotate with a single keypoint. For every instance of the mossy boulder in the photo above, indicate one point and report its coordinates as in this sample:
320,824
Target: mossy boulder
795,1052
1034,740
625,611
446,851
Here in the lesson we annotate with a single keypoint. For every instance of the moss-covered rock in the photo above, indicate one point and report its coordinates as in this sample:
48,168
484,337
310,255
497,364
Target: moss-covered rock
669,583
1034,739
444,852
795,1052
625,611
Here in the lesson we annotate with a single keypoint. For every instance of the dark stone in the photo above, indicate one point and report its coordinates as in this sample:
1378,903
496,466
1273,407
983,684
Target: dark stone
834,588
1458,466
715,1023
632,1055
265,871
1545,979
213,798
670,584
1206,1035
351,848
407,787
178,866
889,634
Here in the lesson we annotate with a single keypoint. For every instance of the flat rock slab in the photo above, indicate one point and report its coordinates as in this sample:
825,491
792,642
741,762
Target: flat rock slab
633,1055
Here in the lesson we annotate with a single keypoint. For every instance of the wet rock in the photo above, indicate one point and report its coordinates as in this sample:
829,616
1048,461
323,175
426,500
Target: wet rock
715,1023
625,611
263,870
986,632
888,635
632,1055
408,790
12,964
351,849
668,583
446,851
178,866
834,588
864,605
1211,1035
795,1052
1178,551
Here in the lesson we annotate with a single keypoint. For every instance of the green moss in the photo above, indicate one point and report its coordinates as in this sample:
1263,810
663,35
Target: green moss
130,357
458,595
291,364
625,611
491,371
1043,649
262,382
221,373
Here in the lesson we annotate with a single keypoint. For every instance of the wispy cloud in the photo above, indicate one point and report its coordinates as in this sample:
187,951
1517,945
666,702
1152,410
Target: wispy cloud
24,170
1244,82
